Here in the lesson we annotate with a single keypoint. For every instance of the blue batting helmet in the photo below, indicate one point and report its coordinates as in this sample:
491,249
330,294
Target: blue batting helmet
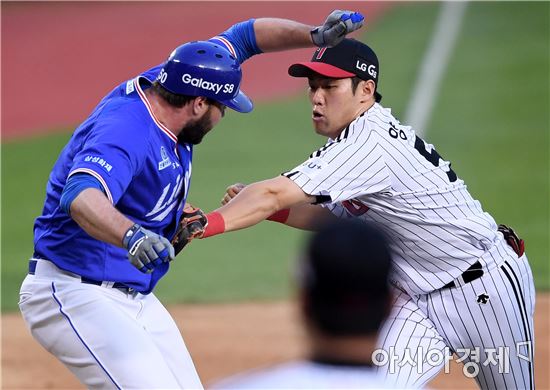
203,68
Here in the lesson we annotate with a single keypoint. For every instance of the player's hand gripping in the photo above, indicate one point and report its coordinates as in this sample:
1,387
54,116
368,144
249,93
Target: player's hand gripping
338,24
231,192
191,225
147,250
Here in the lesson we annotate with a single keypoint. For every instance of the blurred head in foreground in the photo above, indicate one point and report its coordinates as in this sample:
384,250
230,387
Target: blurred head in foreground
344,290
344,297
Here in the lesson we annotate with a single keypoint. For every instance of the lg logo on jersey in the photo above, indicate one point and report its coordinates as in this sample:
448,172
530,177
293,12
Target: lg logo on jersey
312,165
370,69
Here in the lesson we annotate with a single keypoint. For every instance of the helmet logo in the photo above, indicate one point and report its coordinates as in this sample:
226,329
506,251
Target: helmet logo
162,76
320,52
207,85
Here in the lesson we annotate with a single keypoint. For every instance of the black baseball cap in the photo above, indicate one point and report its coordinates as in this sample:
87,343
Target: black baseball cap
344,278
347,59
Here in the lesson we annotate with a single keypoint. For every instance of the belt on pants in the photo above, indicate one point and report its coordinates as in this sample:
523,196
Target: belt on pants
474,272
49,268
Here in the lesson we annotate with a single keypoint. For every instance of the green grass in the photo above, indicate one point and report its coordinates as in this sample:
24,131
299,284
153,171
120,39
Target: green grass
491,118
491,121
25,170
253,263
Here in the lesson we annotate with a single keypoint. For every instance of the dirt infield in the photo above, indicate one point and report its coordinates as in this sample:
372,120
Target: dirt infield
223,339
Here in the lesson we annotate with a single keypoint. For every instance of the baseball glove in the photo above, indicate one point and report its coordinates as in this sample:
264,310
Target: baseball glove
191,225
516,243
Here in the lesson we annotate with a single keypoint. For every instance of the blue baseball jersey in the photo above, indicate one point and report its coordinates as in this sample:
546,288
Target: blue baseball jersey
142,168
144,172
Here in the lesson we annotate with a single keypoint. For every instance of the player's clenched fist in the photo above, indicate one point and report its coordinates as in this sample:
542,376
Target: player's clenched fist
232,191
147,249
338,24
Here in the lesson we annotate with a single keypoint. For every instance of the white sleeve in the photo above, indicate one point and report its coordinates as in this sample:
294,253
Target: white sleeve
345,168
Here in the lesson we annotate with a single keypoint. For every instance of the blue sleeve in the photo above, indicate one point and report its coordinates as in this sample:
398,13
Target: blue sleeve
240,40
116,151
74,186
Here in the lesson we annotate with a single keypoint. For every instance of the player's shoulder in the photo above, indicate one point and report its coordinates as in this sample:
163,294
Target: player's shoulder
380,120
375,120
123,114
120,121
377,117
356,134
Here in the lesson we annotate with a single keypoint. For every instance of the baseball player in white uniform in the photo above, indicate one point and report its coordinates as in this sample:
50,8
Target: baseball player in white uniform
343,296
462,284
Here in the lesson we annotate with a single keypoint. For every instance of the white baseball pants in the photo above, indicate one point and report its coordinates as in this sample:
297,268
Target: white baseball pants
487,323
108,338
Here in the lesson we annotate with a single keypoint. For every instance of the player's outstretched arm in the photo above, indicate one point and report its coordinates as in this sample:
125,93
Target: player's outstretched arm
258,201
255,203
256,36
303,216
274,34
278,199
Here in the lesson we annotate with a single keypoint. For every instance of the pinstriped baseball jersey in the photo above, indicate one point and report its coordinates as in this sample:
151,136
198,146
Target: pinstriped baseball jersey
379,170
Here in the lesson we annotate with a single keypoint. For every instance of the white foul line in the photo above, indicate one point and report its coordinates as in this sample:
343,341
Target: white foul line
434,64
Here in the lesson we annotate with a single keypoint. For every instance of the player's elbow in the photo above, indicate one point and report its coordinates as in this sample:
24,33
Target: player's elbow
269,198
274,202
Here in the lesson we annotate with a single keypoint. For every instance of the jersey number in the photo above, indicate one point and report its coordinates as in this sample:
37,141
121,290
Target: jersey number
433,157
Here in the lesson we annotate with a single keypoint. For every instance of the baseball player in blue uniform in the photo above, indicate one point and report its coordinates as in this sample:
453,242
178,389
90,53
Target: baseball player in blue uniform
114,200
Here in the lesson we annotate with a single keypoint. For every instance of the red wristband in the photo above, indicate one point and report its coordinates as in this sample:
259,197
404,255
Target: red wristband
216,224
280,216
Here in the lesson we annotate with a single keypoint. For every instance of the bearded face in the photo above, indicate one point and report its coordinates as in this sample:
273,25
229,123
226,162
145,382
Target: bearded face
194,132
